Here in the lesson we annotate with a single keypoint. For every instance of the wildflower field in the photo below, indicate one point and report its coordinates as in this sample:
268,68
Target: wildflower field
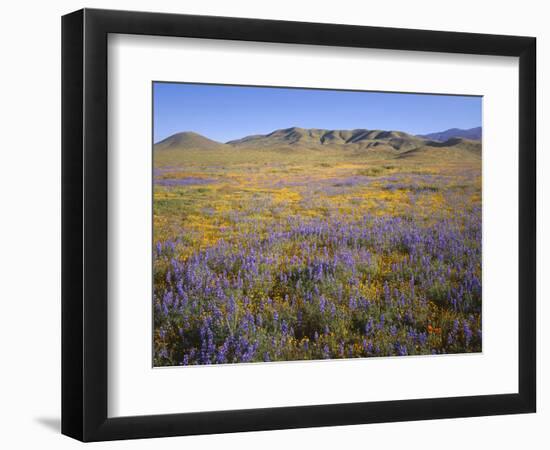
303,254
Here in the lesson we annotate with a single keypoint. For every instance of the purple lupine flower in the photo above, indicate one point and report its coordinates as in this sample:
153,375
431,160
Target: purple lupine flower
284,327
455,326
369,326
422,338
467,333
322,304
401,349
387,294
450,338
201,285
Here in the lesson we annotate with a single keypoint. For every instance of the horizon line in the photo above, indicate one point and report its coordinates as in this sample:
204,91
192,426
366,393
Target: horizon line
310,128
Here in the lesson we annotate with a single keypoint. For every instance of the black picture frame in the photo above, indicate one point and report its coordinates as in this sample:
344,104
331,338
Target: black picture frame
84,224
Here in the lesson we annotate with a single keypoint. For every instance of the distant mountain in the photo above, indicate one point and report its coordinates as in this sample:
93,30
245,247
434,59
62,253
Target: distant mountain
187,140
362,141
471,133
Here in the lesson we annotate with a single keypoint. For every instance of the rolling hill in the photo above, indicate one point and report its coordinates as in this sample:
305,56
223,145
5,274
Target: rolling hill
316,138
362,142
452,149
187,140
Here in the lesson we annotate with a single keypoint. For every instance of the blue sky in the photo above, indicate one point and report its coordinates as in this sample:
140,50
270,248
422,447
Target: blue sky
223,112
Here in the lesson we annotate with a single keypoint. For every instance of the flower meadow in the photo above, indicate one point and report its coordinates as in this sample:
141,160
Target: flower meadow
310,255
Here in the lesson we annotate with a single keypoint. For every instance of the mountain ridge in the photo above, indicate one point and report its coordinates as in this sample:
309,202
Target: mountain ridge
391,142
442,136
320,136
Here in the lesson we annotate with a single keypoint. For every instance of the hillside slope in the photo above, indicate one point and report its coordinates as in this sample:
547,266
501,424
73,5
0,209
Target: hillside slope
317,138
361,142
187,140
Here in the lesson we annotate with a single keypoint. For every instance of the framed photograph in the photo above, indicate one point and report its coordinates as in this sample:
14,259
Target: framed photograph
273,224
